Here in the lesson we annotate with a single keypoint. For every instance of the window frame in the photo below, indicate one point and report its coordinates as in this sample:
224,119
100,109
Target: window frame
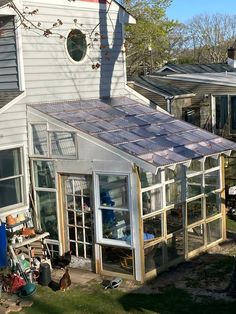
228,128
22,180
49,145
85,57
98,211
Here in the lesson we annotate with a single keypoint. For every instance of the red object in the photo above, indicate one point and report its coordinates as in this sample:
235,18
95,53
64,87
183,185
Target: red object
17,283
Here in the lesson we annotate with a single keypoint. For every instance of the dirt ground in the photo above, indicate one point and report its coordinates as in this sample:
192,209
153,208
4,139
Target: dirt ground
206,275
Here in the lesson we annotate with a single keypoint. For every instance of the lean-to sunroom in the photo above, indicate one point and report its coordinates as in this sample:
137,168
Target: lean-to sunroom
130,190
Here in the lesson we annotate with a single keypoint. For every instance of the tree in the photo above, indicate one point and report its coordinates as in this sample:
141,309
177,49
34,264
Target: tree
147,41
206,38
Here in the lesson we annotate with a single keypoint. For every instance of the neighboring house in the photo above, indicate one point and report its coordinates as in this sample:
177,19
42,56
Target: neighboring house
202,94
130,190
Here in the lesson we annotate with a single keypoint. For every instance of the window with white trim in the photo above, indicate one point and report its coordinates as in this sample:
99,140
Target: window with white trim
60,144
114,208
11,178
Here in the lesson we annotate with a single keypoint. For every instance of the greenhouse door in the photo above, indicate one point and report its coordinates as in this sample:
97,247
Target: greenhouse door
79,219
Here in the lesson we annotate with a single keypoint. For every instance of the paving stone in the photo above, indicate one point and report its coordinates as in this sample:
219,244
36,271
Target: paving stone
9,302
3,309
13,308
26,303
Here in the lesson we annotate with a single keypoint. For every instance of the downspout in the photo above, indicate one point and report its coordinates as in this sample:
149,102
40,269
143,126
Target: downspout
169,101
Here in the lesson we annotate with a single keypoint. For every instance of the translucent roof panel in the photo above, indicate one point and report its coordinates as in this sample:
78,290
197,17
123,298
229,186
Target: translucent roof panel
138,130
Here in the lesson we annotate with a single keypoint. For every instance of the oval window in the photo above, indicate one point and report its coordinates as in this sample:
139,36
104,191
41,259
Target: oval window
76,45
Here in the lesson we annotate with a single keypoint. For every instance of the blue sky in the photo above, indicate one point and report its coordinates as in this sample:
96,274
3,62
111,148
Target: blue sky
184,10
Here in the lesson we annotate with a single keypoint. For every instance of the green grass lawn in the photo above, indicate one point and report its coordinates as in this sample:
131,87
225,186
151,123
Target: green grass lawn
95,299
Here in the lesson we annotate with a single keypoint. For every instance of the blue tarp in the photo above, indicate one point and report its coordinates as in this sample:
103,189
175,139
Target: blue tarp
3,245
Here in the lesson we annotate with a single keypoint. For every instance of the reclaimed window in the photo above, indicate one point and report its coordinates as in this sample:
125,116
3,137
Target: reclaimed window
175,246
194,211
76,45
44,174
212,204
194,186
214,231
63,144
152,200
153,257
40,139
47,207
212,181
11,177
45,189
211,162
173,193
114,208
195,238
79,215
152,227
149,179
174,218
195,166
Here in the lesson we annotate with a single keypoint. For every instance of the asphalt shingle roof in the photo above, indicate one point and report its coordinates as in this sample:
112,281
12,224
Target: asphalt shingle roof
158,85
197,68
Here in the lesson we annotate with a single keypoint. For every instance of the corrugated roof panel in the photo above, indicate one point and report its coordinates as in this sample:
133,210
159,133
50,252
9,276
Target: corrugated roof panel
156,118
111,137
128,136
178,140
88,128
133,148
152,136
155,130
123,123
142,132
104,125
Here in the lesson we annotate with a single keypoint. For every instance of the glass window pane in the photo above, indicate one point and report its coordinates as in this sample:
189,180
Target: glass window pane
173,193
194,211
233,113
10,163
44,174
221,111
174,219
214,231
195,166
10,192
194,186
76,45
46,203
212,181
116,225
152,201
149,179
63,144
153,257
173,174
195,238
113,191
152,227
119,260
175,246
212,205
211,162
40,139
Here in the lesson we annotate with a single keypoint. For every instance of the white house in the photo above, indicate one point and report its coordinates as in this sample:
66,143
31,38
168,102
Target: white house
128,189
